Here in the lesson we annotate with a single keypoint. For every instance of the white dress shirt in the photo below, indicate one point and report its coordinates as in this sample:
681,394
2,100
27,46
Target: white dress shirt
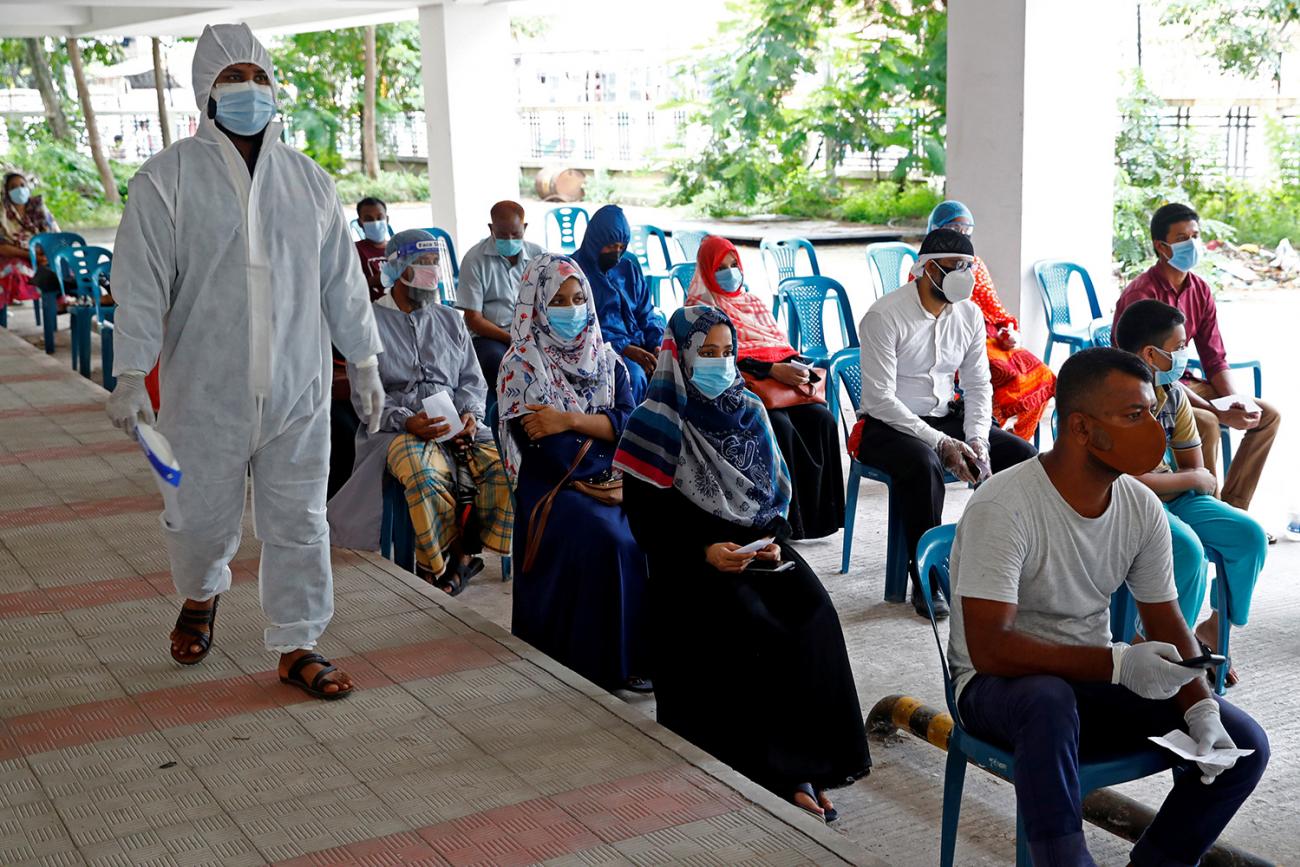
909,358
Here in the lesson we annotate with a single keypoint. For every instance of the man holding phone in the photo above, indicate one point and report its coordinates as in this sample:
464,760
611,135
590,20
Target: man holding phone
1038,554
915,341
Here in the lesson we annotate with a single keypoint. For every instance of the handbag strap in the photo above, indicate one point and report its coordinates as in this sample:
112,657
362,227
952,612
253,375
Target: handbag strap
542,511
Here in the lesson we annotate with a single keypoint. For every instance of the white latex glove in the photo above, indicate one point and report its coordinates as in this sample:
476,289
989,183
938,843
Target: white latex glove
953,454
370,391
983,464
1149,669
1206,728
129,403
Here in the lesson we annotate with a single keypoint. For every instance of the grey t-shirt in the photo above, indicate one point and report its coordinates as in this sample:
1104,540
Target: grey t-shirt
1020,542
489,284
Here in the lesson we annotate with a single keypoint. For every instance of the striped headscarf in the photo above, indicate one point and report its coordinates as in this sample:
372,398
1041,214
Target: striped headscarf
542,368
720,453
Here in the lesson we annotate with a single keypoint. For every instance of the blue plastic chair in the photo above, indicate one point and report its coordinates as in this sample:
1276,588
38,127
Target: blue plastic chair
1099,333
885,263
804,299
50,243
1225,432
1095,773
644,240
100,274
1124,616
781,262
689,240
1054,290
680,277
74,267
565,228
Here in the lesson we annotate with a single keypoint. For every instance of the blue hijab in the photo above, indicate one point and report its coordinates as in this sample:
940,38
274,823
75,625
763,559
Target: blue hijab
617,291
719,453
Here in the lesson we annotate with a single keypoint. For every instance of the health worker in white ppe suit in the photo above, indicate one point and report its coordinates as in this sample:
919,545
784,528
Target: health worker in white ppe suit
233,262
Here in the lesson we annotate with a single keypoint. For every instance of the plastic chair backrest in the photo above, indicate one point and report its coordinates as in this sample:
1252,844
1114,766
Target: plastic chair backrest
781,259
565,228
1054,288
50,242
78,265
1100,334
689,240
932,558
885,261
681,275
640,246
451,249
805,300
97,275
844,371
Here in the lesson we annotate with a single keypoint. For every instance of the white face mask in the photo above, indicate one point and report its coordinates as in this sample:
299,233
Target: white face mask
956,285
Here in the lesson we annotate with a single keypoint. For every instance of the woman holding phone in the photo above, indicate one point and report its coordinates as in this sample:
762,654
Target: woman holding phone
704,482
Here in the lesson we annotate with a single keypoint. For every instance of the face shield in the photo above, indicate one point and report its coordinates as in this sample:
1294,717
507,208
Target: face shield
430,265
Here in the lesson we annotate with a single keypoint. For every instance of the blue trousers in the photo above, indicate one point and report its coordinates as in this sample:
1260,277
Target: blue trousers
1048,722
1198,521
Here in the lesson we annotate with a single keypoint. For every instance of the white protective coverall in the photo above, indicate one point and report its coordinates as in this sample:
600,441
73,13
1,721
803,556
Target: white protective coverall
241,282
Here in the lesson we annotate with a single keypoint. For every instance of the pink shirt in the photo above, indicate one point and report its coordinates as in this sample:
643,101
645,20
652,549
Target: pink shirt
1195,301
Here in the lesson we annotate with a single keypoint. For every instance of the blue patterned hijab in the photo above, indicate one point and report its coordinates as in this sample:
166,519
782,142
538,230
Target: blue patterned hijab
720,453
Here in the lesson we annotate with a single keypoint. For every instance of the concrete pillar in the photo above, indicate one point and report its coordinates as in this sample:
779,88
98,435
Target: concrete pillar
469,105
1032,117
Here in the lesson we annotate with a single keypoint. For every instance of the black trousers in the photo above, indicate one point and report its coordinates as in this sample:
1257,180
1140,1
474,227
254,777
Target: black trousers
918,473
490,353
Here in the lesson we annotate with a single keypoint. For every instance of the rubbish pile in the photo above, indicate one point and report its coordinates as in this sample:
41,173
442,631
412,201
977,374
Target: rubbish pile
1253,267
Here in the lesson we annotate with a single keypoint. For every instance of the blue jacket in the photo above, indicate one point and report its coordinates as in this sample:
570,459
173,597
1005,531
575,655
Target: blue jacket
623,304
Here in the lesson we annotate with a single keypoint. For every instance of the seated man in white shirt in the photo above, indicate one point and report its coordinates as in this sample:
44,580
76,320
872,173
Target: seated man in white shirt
1039,552
915,341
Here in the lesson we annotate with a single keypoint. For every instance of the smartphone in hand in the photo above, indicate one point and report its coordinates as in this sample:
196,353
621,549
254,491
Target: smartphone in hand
1206,661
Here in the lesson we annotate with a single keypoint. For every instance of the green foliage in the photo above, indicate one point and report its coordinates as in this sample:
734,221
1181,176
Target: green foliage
325,73
1247,37
392,187
884,204
65,177
1260,215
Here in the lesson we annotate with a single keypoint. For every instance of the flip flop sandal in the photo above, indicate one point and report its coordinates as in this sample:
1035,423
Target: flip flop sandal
185,624
807,789
639,684
459,579
314,689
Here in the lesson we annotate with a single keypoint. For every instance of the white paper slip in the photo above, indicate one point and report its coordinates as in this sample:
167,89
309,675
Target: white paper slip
1180,743
755,546
1225,403
439,405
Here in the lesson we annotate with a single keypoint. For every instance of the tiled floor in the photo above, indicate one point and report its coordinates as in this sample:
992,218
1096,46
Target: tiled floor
462,745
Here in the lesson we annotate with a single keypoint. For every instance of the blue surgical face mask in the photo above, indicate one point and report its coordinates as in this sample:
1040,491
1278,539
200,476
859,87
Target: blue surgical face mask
713,376
244,108
1178,365
20,195
729,279
509,246
1186,255
567,322
376,231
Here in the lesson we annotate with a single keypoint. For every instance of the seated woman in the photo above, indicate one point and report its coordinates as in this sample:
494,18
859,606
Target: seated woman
806,433
564,397
23,216
748,665
1022,384
456,488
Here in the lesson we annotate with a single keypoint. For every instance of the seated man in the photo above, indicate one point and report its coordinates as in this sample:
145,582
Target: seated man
1153,331
627,315
372,214
489,285
1039,551
1176,235
913,426
457,492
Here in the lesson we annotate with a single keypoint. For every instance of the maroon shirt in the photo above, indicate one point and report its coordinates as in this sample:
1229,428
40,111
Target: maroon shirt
1195,301
372,259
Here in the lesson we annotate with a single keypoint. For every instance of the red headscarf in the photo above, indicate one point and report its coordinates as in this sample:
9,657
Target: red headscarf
757,334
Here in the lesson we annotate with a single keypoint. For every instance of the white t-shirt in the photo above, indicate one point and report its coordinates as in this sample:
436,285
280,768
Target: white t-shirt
1020,542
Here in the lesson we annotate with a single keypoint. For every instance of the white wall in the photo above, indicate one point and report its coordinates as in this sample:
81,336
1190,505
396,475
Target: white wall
1032,88
469,101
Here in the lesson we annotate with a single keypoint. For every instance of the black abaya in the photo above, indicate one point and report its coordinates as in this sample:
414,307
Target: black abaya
750,667
810,444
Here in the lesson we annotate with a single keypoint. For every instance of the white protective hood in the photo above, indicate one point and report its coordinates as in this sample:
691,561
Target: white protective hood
219,47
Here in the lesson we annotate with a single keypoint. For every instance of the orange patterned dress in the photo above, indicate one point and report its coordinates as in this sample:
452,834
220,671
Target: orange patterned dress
1022,384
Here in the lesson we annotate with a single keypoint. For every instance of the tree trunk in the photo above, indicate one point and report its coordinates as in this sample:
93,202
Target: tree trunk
40,62
111,194
369,148
160,85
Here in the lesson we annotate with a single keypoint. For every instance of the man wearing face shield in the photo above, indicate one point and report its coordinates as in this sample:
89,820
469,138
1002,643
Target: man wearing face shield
234,263
915,341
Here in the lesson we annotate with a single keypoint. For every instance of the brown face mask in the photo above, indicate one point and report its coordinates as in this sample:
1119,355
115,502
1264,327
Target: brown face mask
1134,449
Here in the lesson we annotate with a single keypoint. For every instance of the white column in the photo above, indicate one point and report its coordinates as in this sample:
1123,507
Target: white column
469,105
1032,88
